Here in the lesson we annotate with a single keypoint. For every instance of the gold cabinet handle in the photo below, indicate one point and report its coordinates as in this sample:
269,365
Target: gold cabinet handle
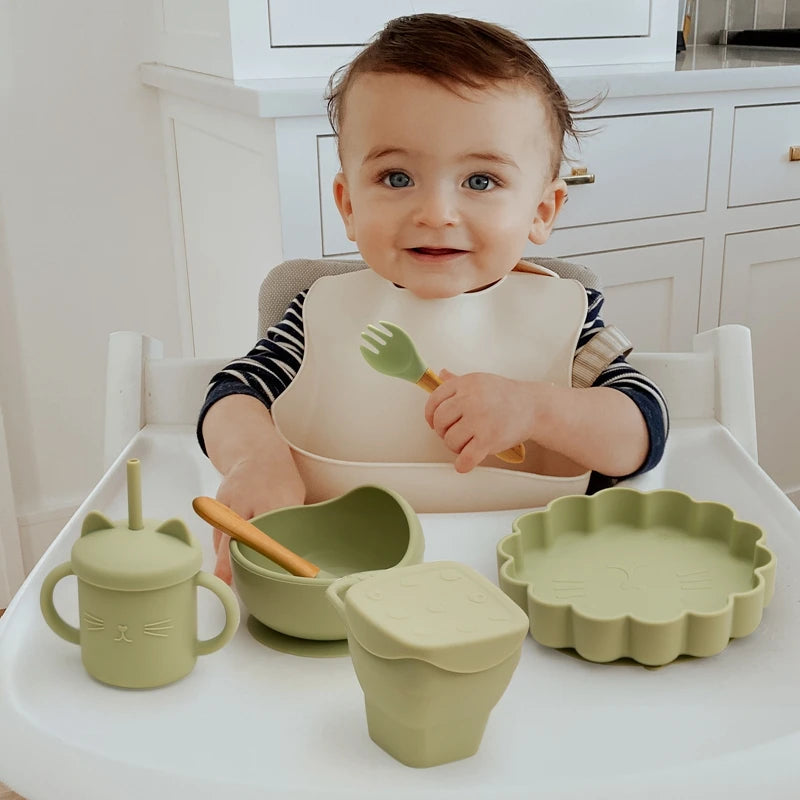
579,176
794,152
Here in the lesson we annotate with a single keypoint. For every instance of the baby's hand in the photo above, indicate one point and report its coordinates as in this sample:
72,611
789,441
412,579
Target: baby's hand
479,414
251,488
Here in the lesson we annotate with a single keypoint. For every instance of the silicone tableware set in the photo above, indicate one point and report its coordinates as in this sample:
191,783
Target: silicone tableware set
623,573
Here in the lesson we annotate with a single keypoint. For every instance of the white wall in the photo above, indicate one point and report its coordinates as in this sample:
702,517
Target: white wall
84,237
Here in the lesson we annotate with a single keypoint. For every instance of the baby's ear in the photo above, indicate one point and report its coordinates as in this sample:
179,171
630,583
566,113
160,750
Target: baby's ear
551,203
341,195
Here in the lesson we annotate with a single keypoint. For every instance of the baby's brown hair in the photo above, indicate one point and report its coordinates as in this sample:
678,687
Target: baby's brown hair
456,52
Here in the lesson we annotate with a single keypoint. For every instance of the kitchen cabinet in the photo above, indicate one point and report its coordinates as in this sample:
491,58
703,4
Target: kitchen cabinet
302,23
761,289
691,220
245,39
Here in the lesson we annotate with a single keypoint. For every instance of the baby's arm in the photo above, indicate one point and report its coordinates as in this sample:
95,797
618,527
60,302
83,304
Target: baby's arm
258,471
479,413
236,431
617,427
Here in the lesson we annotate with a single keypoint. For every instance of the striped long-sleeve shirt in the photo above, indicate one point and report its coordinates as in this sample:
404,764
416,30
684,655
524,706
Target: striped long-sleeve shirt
272,364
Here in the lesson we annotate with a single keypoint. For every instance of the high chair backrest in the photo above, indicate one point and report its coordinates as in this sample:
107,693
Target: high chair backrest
285,281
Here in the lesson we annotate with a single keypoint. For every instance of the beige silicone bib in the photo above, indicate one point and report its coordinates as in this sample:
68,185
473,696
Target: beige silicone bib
349,425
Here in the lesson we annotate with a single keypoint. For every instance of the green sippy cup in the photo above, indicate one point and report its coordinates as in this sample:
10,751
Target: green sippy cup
137,597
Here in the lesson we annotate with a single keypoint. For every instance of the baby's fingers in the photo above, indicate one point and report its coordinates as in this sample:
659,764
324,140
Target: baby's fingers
438,396
470,456
223,567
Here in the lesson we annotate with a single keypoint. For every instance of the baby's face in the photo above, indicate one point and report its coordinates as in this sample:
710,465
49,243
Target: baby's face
442,193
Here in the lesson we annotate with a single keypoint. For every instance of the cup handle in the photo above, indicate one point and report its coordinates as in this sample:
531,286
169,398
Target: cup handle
231,605
51,616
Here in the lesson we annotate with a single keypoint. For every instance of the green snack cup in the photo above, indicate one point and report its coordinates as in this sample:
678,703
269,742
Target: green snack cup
137,587
434,647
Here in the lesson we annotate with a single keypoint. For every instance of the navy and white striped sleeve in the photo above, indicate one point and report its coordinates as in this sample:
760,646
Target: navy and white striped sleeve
266,370
622,376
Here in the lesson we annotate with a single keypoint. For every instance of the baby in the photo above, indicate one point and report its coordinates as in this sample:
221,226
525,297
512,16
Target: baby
450,135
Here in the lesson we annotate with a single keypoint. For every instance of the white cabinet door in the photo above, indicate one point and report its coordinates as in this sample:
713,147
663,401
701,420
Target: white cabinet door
302,23
652,294
760,289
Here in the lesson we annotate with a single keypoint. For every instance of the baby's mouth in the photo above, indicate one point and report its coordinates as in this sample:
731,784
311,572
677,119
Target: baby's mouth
437,251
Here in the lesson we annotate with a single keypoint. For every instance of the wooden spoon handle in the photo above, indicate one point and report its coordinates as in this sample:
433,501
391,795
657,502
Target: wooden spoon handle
429,381
227,520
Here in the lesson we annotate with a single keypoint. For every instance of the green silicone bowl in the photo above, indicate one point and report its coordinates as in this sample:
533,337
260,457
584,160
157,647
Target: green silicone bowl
369,528
648,575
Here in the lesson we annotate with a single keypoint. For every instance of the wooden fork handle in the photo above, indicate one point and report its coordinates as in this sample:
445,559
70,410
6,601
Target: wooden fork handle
514,455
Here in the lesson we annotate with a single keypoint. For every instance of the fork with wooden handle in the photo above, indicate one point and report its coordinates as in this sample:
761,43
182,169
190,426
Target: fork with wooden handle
394,354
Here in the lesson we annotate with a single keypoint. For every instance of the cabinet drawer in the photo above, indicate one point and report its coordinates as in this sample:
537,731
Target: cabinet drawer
645,165
761,169
633,179
304,23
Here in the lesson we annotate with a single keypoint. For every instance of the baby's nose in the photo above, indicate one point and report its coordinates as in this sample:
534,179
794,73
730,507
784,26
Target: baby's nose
436,207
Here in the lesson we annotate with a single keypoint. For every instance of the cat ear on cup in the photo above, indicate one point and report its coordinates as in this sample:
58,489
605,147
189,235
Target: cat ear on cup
177,528
95,521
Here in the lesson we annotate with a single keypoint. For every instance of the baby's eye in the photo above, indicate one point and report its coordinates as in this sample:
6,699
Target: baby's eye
397,180
480,183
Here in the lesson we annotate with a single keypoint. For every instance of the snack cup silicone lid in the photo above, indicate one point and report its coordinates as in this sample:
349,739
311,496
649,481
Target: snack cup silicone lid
134,555
441,612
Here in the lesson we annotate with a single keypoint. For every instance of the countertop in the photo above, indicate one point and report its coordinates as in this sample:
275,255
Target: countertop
704,68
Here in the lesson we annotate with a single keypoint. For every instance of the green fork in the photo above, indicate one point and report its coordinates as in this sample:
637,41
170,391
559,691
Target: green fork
390,351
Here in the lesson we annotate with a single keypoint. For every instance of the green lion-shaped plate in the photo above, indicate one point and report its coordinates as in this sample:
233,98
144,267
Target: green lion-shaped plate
647,575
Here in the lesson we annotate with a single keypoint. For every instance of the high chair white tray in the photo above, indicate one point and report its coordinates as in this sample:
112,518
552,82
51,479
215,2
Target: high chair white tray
250,722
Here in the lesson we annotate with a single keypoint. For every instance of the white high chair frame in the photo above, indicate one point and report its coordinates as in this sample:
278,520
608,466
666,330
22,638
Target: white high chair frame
715,381
249,719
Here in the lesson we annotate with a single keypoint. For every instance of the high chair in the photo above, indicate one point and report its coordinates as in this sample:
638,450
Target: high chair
250,721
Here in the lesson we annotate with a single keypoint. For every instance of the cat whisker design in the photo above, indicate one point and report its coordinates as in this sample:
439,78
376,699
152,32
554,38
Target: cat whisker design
566,589
694,580
93,623
158,628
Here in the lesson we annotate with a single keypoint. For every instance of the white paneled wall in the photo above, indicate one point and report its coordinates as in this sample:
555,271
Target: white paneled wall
85,243
11,571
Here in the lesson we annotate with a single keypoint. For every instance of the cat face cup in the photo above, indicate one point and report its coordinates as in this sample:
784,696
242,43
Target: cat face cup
137,598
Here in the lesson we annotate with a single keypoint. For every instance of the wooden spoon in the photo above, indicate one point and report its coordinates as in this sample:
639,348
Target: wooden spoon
228,521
